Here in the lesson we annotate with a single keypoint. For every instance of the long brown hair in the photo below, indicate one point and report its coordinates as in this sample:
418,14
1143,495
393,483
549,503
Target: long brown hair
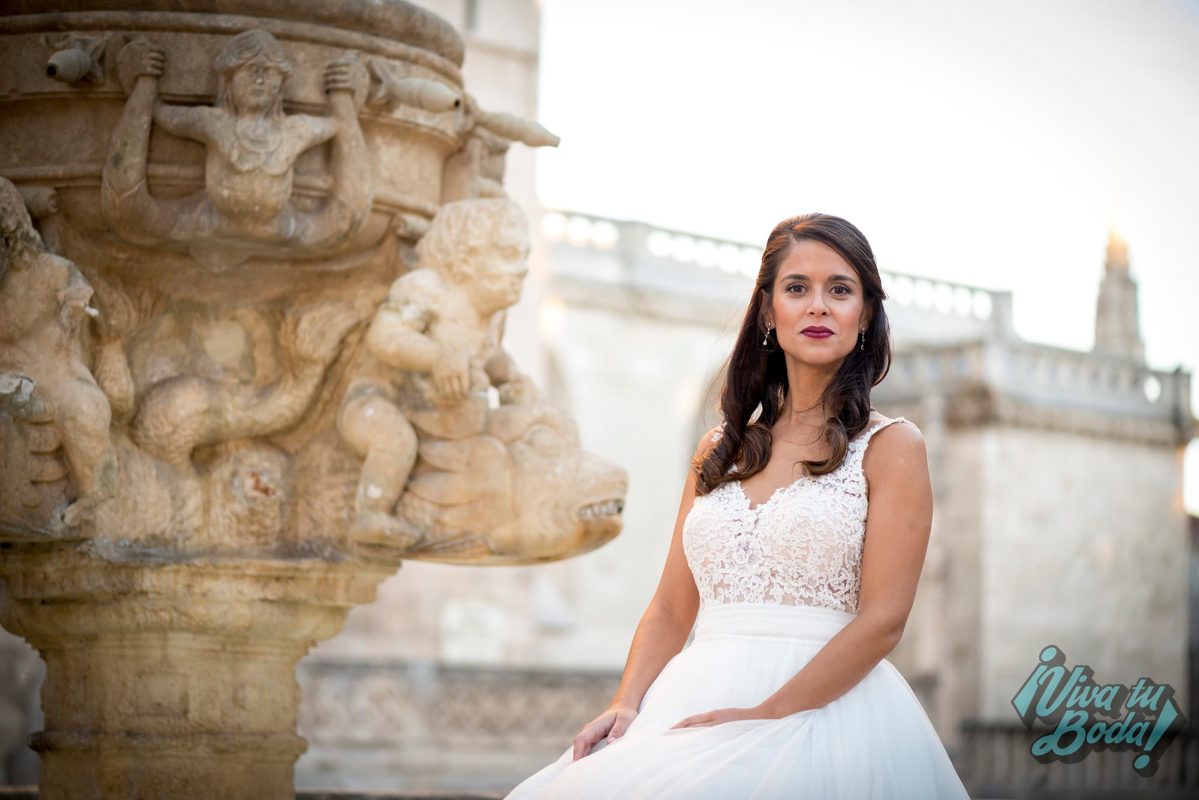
757,375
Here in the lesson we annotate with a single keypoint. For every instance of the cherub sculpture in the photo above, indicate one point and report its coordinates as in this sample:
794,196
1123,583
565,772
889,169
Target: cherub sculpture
252,147
43,302
430,352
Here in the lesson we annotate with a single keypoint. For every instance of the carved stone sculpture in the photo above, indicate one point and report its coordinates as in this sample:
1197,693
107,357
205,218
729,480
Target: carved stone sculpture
501,497
426,347
251,321
252,148
43,301
478,169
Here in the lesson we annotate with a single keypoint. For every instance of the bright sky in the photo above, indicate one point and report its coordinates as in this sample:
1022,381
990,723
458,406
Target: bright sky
991,143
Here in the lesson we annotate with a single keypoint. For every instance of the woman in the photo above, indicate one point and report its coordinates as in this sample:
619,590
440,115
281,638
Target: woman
796,555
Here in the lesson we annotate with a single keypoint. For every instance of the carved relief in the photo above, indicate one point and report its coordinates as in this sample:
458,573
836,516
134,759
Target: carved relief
351,407
187,411
426,350
252,147
486,476
81,59
520,492
478,169
43,301
390,88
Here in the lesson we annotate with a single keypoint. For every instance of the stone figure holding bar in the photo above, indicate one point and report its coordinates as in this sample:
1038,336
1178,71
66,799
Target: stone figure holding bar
252,147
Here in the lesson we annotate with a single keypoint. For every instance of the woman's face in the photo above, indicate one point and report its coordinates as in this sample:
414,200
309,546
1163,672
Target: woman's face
817,289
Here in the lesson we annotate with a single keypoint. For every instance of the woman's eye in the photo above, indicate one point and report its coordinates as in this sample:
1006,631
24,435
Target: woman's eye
845,289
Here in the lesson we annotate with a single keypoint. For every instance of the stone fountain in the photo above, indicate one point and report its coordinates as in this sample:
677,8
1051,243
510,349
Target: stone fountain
255,261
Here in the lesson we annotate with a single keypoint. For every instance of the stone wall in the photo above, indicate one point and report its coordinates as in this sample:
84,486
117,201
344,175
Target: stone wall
1084,546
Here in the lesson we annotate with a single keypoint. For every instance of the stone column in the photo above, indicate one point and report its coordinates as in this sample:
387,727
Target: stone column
254,271
173,680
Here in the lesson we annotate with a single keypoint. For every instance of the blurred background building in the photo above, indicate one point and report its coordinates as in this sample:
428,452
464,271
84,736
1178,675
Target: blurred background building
1057,473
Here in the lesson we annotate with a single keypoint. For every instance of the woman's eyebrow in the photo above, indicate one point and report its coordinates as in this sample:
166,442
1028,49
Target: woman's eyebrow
848,278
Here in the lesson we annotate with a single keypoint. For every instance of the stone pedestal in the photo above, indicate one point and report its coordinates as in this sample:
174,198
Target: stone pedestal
173,680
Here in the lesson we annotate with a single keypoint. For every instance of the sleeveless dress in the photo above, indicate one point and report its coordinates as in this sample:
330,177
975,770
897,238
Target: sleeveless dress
776,582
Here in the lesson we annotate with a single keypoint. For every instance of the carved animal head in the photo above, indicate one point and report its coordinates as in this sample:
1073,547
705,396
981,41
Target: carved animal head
522,492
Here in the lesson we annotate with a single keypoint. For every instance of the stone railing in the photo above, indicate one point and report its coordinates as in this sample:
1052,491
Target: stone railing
394,702
422,724
634,252
1040,384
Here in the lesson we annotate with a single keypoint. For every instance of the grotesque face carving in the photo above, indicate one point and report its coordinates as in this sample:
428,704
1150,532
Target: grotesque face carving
523,491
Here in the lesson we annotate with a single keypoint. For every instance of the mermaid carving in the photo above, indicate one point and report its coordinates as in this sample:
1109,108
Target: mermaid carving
252,147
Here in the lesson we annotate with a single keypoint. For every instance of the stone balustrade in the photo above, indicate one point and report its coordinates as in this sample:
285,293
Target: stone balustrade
651,259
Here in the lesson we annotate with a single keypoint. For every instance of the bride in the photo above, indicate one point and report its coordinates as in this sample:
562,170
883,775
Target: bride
795,558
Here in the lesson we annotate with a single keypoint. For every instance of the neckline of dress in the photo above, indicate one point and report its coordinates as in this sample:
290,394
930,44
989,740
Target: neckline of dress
773,495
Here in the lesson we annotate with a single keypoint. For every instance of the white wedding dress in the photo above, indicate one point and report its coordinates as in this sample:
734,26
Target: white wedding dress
776,582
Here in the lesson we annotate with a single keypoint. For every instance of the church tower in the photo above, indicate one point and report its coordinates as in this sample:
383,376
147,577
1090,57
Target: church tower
1117,326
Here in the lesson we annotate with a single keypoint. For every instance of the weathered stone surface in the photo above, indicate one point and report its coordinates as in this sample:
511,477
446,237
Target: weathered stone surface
253,289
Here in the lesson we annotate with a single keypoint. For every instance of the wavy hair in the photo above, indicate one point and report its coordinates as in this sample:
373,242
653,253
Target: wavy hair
756,376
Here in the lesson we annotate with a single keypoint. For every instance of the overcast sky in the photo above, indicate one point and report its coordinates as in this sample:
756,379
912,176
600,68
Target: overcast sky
990,143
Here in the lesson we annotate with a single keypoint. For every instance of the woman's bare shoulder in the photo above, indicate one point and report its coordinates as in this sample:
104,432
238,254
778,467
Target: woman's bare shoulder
897,445
877,418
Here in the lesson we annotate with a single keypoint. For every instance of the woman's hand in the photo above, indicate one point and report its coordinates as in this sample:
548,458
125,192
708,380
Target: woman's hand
710,718
612,723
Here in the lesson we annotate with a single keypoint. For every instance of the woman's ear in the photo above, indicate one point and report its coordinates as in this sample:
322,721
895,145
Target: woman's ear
764,308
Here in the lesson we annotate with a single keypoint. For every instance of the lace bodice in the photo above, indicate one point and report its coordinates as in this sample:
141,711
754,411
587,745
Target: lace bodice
802,546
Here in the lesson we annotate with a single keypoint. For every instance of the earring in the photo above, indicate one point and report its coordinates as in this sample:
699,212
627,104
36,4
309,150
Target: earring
766,338
862,346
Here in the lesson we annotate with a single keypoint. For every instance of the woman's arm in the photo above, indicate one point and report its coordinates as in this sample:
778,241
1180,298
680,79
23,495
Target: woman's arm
661,633
898,524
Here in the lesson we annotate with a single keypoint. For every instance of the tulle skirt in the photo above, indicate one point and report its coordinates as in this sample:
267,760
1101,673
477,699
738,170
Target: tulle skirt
874,742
